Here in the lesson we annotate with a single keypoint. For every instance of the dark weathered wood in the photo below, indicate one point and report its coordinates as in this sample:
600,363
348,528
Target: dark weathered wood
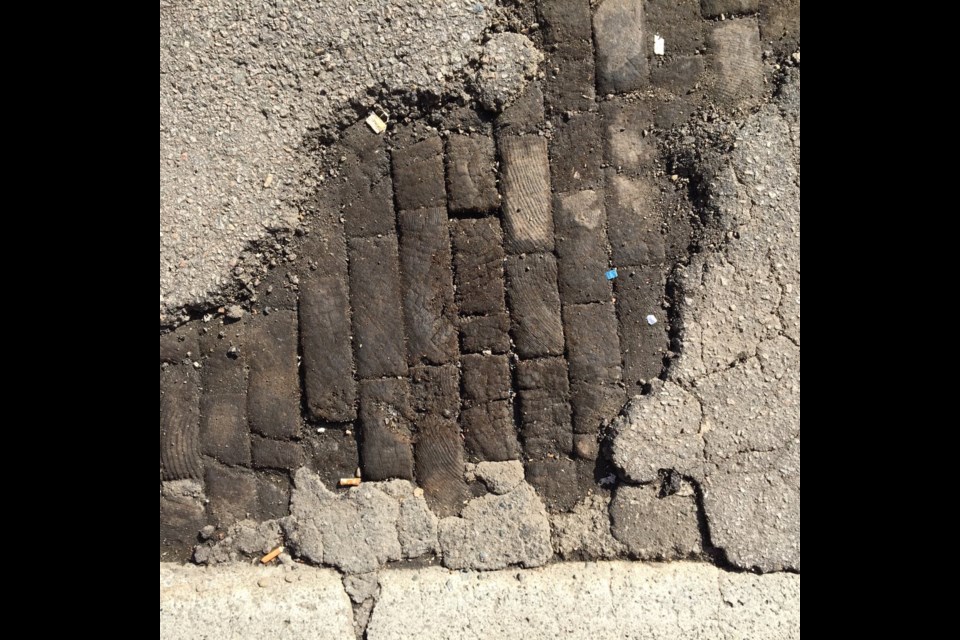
535,305
544,397
593,346
489,433
439,460
640,292
418,176
224,432
485,333
273,395
478,265
525,186
471,175
429,310
385,438
231,494
179,423
582,247
378,335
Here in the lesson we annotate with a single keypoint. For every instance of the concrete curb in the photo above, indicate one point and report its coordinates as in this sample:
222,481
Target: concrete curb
570,600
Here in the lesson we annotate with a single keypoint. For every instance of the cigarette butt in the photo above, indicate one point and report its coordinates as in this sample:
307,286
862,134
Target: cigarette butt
271,556
349,482
376,123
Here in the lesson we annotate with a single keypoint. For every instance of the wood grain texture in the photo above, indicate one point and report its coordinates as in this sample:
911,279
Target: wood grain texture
429,310
273,394
535,305
525,186
179,423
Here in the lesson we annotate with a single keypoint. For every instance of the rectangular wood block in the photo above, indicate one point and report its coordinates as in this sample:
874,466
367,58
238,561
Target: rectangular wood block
525,186
429,310
535,305
379,342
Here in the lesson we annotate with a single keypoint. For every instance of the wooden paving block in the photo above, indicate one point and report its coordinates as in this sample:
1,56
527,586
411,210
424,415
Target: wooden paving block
634,221
594,405
593,346
435,390
179,423
735,61
570,84
379,342
273,392
325,341
643,346
557,482
535,305
418,177
224,432
178,346
276,454
489,433
582,247
386,441
576,153
485,378
525,115
565,20
471,175
478,265
440,465
544,402
231,494
525,186
485,333
273,495
429,310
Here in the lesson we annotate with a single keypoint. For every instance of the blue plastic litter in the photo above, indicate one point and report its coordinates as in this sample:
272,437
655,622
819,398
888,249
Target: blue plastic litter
611,274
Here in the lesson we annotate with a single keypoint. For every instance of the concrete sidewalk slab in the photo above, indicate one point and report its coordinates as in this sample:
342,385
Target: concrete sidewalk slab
593,600
244,601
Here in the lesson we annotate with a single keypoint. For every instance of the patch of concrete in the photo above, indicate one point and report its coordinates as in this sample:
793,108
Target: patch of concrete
241,84
584,533
500,477
246,538
653,527
497,531
361,586
595,600
508,63
416,525
250,602
659,431
360,529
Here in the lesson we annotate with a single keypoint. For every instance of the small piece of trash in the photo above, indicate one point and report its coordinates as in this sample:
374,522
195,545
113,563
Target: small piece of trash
349,482
270,556
658,45
321,429
651,319
611,274
378,124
